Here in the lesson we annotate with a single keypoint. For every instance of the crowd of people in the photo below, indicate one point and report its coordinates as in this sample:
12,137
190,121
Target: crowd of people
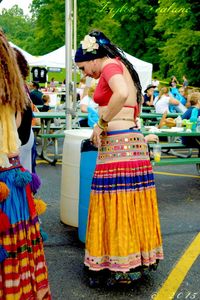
168,98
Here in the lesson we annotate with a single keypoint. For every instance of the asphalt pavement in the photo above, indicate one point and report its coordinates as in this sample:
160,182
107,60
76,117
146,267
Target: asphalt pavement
179,208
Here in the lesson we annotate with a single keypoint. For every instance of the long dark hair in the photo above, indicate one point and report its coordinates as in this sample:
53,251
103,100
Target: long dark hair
109,49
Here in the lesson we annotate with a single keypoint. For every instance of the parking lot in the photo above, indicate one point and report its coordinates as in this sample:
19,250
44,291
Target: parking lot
177,276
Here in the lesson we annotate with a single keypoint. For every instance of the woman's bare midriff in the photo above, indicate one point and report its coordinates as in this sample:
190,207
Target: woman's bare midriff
123,120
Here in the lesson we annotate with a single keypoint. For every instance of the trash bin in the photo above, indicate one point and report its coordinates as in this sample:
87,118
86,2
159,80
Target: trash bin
70,175
87,166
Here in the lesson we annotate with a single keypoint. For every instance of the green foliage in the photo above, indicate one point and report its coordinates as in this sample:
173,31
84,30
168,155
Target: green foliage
180,51
163,32
50,25
17,26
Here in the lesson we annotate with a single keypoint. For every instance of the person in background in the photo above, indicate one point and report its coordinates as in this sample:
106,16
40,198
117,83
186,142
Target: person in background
185,82
23,270
82,88
155,82
36,94
183,96
123,237
163,101
46,99
194,100
63,84
88,101
52,85
86,104
173,82
25,131
149,95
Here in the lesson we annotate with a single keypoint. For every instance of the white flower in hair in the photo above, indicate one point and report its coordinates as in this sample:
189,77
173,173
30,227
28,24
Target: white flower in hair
89,44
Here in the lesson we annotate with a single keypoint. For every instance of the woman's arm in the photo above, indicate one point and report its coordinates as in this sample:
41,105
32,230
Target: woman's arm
120,94
18,118
150,103
84,108
173,101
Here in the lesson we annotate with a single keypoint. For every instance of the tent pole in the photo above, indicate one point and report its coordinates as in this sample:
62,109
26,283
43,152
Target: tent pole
68,61
74,47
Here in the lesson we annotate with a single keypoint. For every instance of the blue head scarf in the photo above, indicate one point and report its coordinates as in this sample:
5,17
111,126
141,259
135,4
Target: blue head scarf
86,54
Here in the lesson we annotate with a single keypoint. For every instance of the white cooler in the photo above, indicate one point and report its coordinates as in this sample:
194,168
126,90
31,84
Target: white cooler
69,201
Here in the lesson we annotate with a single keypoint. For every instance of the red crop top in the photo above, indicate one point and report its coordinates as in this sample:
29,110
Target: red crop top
103,92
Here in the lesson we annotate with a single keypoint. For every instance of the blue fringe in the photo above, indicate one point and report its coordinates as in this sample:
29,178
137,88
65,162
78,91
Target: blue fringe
44,235
22,178
3,254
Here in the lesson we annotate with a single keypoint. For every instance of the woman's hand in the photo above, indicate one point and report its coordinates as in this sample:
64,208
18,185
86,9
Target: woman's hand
152,138
96,136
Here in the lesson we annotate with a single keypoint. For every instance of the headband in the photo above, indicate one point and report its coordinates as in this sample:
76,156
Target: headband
90,49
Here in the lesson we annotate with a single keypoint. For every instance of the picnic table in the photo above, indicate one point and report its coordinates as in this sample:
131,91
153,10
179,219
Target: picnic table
148,109
52,128
47,120
171,134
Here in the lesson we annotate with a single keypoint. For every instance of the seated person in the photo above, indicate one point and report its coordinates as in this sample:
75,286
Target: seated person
163,101
194,100
46,106
178,94
149,95
87,102
183,95
35,94
52,84
82,89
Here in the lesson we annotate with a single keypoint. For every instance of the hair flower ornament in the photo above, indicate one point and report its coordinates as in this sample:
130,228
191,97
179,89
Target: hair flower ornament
89,44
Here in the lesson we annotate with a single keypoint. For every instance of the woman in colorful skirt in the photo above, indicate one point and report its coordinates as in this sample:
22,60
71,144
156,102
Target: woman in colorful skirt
123,232
23,270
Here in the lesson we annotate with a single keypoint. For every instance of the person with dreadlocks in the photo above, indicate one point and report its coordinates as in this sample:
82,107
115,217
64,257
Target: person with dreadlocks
23,269
123,239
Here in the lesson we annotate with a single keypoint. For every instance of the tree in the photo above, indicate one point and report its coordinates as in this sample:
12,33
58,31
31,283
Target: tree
50,25
17,27
178,21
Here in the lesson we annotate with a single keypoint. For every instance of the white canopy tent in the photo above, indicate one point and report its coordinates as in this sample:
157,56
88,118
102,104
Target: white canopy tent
143,68
56,59
30,58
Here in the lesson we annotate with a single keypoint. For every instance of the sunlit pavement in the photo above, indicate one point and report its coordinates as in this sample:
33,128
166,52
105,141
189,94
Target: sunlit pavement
177,276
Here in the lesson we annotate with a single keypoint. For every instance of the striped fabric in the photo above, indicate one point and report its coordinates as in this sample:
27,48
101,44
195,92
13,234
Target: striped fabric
23,274
123,229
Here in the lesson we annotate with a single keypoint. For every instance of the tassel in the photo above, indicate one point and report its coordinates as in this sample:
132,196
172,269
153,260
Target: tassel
4,191
3,254
44,235
4,222
40,206
35,183
22,178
